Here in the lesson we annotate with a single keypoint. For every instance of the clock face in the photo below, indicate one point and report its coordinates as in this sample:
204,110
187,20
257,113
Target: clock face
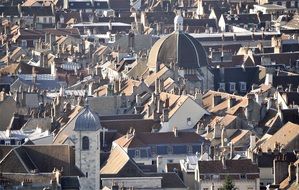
189,122
225,139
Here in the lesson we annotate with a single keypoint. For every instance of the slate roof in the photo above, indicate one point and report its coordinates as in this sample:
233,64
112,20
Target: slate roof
24,159
87,120
232,166
179,48
146,139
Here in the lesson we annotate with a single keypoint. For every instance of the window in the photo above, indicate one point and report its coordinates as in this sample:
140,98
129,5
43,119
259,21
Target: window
189,149
50,20
243,87
232,86
85,143
24,43
222,85
44,20
7,142
243,176
170,161
154,150
284,4
189,122
292,3
86,174
169,149
137,153
87,4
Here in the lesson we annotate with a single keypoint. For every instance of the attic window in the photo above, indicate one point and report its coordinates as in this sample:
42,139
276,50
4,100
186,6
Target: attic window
169,149
137,153
232,86
222,86
243,87
189,122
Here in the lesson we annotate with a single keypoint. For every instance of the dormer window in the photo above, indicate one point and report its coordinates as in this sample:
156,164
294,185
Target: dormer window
169,149
232,86
236,17
243,86
85,143
228,17
222,86
137,153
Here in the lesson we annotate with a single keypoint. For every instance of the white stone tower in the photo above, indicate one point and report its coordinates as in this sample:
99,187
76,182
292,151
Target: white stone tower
87,147
178,23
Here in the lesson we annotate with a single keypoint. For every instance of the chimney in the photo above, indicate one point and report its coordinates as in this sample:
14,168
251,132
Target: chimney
231,148
223,136
252,141
269,76
159,106
159,164
292,172
166,103
198,97
165,115
149,111
34,76
201,150
161,85
138,100
2,95
157,82
217,130
8,133
175,132
223,162
116,86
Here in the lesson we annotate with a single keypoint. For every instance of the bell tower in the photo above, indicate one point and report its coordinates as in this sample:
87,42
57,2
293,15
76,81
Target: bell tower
87,148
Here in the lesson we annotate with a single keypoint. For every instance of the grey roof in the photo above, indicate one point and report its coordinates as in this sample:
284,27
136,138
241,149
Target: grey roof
179,48
87,120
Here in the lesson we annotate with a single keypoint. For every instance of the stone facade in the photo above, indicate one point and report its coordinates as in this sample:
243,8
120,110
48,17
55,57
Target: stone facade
88,160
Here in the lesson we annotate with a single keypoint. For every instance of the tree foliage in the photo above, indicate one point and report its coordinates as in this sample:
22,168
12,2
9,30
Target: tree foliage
228,184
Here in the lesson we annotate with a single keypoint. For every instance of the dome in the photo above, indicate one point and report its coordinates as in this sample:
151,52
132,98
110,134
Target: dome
87,120
179,48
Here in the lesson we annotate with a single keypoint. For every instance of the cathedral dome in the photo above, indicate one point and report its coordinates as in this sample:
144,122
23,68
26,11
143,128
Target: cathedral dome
87,120
178,48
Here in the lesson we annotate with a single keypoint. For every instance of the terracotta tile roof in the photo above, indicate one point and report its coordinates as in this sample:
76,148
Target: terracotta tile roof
237,137
150,80
10,69
117,161
288,133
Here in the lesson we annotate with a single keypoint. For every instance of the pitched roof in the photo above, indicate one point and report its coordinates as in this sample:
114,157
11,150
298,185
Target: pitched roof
286,134
117,160
232,166
26,158
146,139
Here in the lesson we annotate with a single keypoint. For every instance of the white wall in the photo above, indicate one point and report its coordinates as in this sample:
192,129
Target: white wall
179,119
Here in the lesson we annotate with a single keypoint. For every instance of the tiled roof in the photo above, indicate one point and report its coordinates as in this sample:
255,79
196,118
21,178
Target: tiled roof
232,166
288,133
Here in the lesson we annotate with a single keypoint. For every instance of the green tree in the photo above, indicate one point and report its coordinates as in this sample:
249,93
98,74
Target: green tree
228,184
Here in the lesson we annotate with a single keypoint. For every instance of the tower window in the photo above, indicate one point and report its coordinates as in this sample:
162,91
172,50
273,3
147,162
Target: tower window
85,143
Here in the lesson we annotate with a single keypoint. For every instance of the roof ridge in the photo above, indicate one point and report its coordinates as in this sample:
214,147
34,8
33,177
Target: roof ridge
21,160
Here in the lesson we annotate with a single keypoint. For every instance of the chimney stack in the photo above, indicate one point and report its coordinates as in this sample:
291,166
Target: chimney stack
175,132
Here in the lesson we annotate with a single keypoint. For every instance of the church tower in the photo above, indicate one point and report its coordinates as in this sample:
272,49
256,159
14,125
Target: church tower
87,148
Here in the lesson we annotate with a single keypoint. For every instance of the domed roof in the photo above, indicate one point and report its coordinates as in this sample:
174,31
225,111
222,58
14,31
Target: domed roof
179,48
87,120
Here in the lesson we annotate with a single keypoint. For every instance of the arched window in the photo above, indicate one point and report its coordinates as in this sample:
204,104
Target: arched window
85,143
